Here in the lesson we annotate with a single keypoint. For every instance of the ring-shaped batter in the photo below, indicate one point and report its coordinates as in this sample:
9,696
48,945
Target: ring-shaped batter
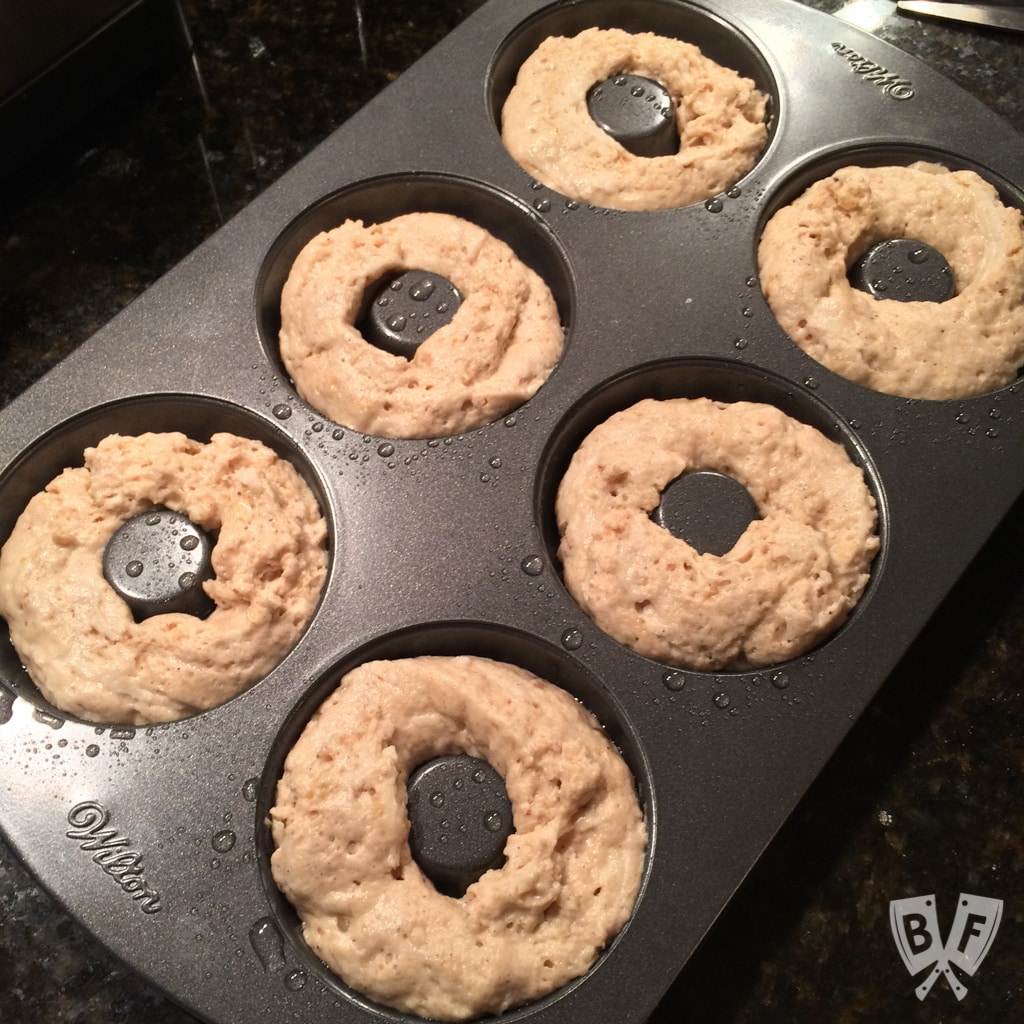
967,345
791,578
498,349
77,637
573,863
548,130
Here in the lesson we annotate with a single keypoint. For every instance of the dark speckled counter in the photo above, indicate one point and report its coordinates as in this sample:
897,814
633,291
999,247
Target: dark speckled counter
921,798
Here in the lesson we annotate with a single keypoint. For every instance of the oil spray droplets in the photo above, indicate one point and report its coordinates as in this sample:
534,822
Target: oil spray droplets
542,204
987,424
295,980
6,705
716,204
993,416
572,639
224,841
746,311
697,693
490,475
674,681
268,944
532,565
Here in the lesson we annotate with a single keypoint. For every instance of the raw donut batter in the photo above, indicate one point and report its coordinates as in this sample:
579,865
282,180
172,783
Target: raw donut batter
791,578
967,345
75,634
573,862
498,349
547,127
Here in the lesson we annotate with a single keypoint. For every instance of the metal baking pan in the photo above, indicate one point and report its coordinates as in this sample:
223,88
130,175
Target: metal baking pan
448,545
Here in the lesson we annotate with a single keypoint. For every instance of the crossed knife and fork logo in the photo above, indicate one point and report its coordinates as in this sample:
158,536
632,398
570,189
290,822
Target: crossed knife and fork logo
915,927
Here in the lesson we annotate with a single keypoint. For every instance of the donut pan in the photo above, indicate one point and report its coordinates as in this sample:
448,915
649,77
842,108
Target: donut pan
156,838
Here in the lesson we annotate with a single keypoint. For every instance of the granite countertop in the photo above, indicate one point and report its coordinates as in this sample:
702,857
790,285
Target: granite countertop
921,798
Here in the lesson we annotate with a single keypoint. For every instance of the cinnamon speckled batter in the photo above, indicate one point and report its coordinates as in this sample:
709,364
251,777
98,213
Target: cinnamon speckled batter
967,345
77,637
573,862
547,127
791,578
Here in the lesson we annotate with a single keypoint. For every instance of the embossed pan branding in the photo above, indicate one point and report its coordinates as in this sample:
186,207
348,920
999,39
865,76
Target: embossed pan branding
888,81
112,852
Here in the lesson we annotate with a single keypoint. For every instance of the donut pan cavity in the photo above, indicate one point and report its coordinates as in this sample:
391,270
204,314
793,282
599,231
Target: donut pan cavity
156,837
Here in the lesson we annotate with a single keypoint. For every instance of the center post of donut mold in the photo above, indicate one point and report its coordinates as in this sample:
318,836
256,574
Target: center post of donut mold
460,818
707,509
157,562
904,269
637,112
398,313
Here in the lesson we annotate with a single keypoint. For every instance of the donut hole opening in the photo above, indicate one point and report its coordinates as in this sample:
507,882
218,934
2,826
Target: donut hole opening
400,310
460,818
707,509
903,270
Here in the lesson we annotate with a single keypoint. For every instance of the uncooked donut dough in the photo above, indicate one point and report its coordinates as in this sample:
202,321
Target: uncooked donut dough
546,126
573,862
494,354
967,345
77,637
791,578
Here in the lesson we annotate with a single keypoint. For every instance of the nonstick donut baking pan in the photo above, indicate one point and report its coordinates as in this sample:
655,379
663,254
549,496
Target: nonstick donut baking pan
156,838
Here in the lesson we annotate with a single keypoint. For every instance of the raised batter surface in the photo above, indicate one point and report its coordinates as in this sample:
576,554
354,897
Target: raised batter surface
573,862
789,581
75,634
967,345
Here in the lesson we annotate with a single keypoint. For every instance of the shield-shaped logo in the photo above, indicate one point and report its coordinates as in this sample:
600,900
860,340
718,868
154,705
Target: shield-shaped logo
915,927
